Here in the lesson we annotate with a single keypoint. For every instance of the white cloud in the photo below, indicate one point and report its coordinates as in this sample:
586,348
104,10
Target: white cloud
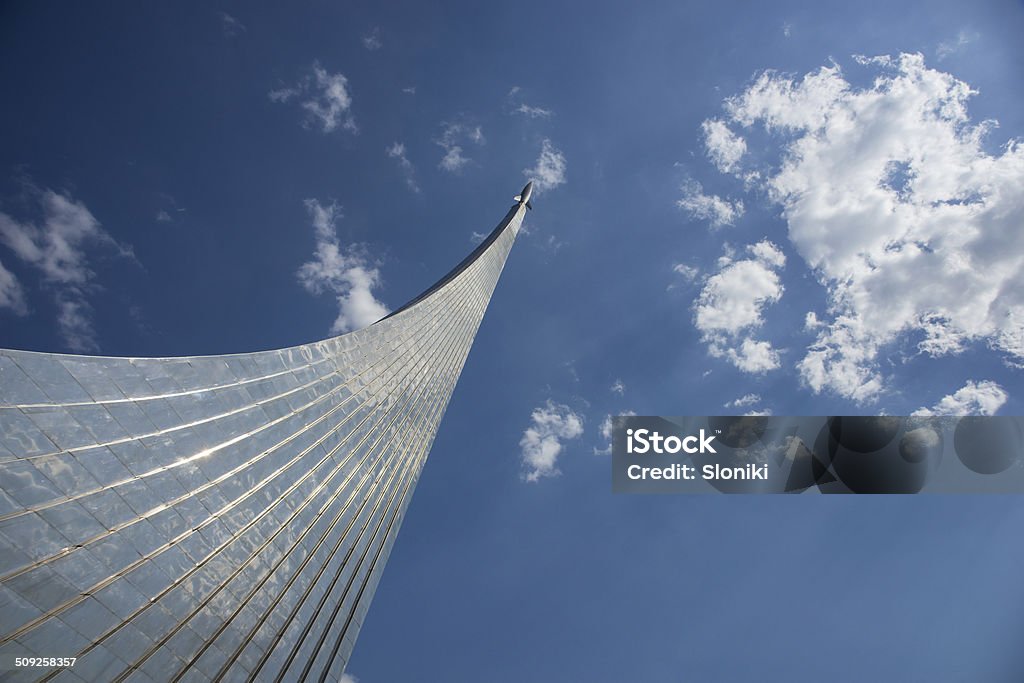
618,387
542,442
948,48
346,274
231,26
397,151
688,273
605,430
283,94
748,401
731,304
372,41
452,137
549,171
163,217
518,106
973,398
894,203
723,147
744,401
12,296
409,90
533,112
75,321
324,96
753,356
477,237
706,207
453,160
58,248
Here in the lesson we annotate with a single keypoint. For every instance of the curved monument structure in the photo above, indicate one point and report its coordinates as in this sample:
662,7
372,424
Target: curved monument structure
220,517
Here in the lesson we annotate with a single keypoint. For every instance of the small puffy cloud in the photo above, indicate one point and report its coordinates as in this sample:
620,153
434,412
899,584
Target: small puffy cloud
453,137
325,98
705,207
163,217
723,147
607,424
731,304
974,398
477,237
549,171
753,356
230,25
409,90
894,203
372,41
748,403
618,387
58,246
744,401
12,296
397,151
453,160
542,442
347,274
732,300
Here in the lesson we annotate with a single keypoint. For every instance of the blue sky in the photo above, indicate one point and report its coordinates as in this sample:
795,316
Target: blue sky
713,174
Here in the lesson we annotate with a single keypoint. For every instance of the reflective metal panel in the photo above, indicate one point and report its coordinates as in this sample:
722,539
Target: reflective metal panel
221,517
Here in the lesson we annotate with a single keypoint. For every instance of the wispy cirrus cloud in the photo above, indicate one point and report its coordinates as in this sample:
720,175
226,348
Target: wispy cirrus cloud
687,272
518,106
231,26
397,151
58,244
12,296
948,48
452,140
372,40
348,274
323,96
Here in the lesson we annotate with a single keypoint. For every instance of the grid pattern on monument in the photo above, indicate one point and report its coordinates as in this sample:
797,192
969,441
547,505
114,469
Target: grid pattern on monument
221,517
